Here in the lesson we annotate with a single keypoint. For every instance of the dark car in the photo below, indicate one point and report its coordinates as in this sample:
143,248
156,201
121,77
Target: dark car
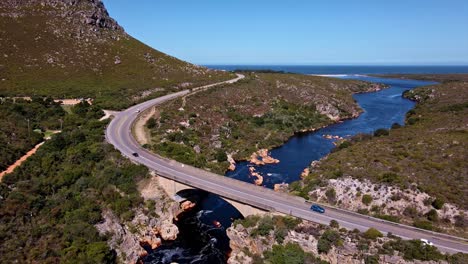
134,154
317,208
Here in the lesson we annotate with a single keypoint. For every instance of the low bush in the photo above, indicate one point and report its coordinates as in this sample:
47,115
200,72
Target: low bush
372,233
366,199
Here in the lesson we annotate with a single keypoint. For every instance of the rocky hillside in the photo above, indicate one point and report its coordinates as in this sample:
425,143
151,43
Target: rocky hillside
277,239
415,174
260,112
73,48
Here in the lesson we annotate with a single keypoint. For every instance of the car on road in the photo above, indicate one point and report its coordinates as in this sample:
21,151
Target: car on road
137,111
426,242
134,154
317,208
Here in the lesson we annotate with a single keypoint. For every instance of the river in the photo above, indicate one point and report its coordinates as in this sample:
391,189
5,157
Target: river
201,241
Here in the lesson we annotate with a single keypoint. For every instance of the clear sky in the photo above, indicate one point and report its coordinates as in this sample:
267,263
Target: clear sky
415,32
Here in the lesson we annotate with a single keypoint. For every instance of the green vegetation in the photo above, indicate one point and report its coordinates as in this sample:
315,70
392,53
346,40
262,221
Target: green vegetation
50,204
19,121
415,250
372,233
262,111
429,151
366,199
47,55
290,253
328,239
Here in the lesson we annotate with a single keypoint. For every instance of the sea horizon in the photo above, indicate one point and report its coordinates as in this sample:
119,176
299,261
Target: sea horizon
348,69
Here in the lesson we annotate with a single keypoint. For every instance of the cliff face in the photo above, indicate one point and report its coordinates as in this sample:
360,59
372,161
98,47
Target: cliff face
151,226
87,12
73,48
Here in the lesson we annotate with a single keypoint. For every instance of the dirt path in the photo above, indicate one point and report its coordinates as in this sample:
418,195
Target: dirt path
141,134
20,161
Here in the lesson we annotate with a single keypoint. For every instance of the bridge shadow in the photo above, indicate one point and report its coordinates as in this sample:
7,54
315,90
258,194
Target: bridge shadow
211,209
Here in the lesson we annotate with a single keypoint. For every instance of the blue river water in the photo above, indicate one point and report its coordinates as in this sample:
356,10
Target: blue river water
203,238
381,110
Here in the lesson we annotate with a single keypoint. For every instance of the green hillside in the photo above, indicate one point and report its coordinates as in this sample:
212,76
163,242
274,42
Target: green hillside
74,49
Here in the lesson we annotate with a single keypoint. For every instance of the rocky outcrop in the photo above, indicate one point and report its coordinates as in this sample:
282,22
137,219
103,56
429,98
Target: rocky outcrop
258,178
390,200
305,173
281,187
128,239
86,12
307,234
232,162
262,157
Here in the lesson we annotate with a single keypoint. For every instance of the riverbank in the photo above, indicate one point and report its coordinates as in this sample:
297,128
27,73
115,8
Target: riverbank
414,174
260,112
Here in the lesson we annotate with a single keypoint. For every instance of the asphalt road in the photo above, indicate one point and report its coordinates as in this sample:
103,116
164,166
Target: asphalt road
119,134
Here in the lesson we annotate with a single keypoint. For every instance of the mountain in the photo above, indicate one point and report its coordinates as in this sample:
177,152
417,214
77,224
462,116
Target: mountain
73,48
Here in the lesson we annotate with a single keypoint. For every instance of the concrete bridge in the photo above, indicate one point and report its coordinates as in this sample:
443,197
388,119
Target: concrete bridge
172,188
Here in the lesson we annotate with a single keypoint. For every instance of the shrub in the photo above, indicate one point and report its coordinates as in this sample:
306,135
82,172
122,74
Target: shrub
390,177
381,132
390,218
151,123
410,211
344,145
327,240
265,225
432,215
460,221
424,224
280,234
415,249
221,156
331,195
438,203
290,253
371,259
366,199
249,221
396,126
372,233
334,224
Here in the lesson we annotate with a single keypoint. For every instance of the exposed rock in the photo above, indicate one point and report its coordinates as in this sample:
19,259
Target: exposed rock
390,200
197,149
128,238
232,162
168,231
258,178
329,110
122,240
281,187
306,236
187,205
261,157
305,173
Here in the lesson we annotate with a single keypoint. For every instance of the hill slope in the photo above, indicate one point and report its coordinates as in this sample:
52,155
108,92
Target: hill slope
428,155
73,48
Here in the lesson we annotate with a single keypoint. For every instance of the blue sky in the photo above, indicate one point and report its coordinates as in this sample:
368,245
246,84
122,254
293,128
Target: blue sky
414,32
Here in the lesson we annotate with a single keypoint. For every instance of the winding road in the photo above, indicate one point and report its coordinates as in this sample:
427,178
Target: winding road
119,134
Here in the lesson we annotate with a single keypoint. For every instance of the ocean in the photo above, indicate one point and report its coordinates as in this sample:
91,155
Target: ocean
351,69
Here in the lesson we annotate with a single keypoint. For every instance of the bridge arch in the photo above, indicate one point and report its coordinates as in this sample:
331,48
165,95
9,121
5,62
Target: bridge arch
175,189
